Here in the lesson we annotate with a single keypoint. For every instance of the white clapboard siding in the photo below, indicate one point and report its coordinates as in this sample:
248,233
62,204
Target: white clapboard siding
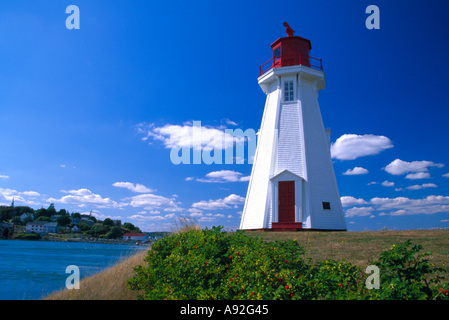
257,207
293,144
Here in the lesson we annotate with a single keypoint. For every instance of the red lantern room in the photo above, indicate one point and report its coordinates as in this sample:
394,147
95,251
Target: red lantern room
290,51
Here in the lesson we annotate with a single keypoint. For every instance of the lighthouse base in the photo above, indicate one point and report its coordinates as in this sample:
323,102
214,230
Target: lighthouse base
286,226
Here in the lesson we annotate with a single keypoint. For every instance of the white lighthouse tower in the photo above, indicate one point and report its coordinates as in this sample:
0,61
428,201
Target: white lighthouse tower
293,184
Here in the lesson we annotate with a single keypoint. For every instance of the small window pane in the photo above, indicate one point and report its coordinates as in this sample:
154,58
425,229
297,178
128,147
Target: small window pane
326,205
288,91
277,52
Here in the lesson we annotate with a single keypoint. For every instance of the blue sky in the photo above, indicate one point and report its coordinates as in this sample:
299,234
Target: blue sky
86,115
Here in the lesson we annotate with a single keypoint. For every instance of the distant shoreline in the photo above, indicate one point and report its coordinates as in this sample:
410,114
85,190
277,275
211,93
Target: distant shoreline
102,241
131,243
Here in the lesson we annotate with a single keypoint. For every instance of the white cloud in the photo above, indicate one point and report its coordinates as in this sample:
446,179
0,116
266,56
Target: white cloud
216,215
31,193
353,146
3,177
207,219
190,136
399,167
387,183
142,218
152,202
446,175
196,214
359,212
134,187
218,204
224,176
400,212
399,206
100,216
210,205
230,122
348,201
83,197
234,199
211,217
7,195
418,175
429,205
422,186
356,171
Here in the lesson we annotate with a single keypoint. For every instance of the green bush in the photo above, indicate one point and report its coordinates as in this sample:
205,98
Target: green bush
406,274
212,264
27,236
114,233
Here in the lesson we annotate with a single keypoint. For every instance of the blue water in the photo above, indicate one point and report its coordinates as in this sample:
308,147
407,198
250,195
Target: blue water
30,270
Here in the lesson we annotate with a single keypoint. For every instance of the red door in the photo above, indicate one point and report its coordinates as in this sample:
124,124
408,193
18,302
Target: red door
286,201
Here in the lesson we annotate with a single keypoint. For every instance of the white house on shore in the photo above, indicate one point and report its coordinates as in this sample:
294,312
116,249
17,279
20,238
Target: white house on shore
41,227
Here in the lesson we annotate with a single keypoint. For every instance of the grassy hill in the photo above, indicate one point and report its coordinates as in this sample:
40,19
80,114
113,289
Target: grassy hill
355,247
359,247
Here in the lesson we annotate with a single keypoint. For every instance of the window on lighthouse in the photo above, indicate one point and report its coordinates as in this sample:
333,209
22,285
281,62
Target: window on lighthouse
277,54
288,90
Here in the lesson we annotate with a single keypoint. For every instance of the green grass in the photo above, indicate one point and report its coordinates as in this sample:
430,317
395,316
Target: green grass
361,247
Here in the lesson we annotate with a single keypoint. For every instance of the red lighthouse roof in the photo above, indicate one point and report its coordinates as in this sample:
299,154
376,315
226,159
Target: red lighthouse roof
290,51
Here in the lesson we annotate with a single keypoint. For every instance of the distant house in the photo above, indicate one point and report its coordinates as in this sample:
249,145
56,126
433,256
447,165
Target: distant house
75,220
135,236
41,227
52,227
55,217
117,223
76,229
25,216
35,226
88,221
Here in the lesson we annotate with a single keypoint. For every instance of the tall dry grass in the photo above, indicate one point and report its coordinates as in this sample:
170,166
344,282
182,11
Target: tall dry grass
107,285
185,224
111,283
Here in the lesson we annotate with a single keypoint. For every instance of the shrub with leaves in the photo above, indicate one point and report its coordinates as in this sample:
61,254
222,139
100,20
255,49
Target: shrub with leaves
405,274
213,264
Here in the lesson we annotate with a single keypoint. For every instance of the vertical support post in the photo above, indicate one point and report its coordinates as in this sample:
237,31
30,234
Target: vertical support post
298,200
